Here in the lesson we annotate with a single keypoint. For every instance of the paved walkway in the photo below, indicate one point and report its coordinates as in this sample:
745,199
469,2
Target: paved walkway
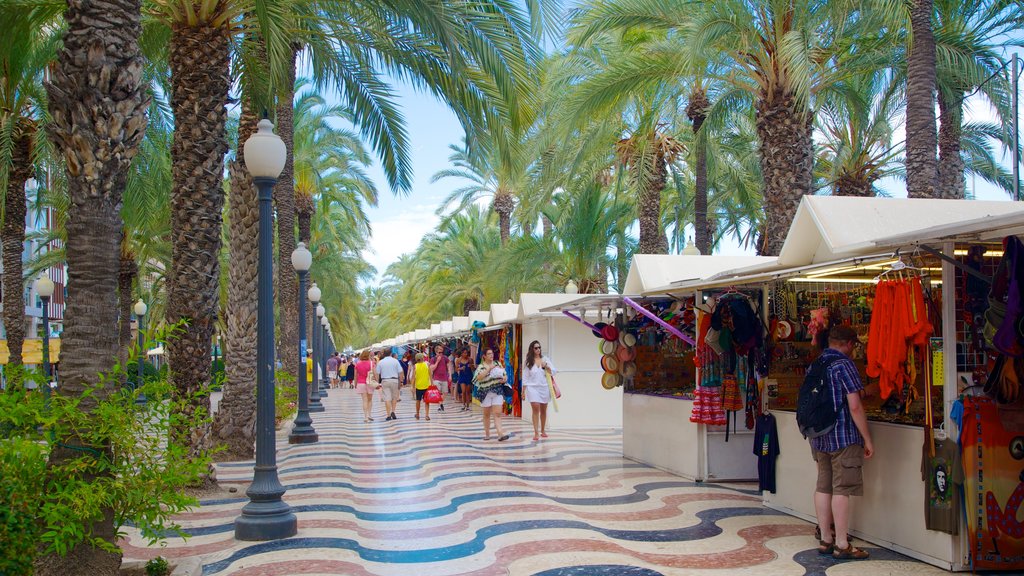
433,498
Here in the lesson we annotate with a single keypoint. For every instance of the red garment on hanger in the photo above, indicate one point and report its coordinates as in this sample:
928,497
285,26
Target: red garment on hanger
899,321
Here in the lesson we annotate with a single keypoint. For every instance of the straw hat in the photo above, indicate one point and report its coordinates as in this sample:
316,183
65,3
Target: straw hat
609,363
610,380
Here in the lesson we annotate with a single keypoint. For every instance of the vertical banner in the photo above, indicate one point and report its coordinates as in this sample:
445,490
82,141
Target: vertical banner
993,460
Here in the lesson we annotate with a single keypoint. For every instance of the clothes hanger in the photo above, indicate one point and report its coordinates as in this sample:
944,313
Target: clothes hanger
898,267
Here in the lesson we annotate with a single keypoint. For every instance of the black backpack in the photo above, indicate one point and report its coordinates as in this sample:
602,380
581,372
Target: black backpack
815,413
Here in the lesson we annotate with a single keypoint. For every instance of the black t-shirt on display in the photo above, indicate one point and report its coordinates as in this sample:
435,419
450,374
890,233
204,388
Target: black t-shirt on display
766,448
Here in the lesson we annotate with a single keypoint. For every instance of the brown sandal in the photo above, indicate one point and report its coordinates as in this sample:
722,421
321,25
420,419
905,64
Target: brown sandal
826,547
850,553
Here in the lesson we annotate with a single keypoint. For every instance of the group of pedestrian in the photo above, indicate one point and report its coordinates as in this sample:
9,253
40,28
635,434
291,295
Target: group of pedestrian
457,375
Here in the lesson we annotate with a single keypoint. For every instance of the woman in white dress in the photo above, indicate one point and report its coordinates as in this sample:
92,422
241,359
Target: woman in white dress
535,387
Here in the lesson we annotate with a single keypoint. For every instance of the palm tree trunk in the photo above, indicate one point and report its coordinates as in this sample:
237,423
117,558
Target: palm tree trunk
200,83
126,272
547,225
697,110
284,200
98,104
922,172
503,205
652,237
849,184
235,422
469,305
13,240
951,163
787,157
621,261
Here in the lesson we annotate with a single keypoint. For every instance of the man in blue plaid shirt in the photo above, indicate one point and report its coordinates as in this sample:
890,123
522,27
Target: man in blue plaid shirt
840,454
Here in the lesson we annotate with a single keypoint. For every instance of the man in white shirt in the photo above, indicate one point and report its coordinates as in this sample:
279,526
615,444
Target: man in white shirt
389,372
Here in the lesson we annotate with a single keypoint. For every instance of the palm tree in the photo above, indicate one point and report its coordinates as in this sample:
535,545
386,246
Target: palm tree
782,53
27,49
857,124
97,102
922,168
967,36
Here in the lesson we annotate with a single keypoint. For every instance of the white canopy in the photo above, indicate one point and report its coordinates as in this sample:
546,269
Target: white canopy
446,327
828,228
422,333
479,316
655,273
460,323
504,313
435,329
531,303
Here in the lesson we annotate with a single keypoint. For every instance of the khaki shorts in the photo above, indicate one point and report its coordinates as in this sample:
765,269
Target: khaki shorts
841,473
390,390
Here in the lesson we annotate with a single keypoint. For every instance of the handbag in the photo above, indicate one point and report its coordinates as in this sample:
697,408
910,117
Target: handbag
554,387
433,395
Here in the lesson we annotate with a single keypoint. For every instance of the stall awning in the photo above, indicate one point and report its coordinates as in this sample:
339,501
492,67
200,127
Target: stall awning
531,304
649,272
754,276
828,228
987,228
590,301
504,313
479,316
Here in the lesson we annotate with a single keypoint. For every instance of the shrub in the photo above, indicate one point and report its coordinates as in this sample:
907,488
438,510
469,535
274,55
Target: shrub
286,396
117,456
157,567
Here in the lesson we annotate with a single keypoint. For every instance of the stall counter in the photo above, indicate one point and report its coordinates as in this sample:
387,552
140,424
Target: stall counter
656,430
892,508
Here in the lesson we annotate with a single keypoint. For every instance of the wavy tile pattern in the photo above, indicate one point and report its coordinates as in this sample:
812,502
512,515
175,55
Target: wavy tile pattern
412,497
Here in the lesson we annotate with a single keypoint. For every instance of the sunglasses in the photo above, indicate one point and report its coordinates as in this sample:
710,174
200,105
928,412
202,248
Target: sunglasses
536,347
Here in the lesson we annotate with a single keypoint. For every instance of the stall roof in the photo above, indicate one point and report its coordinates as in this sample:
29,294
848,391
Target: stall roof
531,303
590,301
435,329
460,323
480,316
827,228
504,313
991,227
422,333
446,327
650,272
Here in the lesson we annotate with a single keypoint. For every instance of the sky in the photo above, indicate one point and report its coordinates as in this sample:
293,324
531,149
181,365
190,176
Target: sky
399,222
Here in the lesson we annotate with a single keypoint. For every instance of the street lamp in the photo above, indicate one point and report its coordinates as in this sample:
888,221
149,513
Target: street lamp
44,287
140,311
325,351
314,398
266,516
302,429
319,353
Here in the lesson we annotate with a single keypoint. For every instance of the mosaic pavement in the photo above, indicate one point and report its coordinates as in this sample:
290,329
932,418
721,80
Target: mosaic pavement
433,498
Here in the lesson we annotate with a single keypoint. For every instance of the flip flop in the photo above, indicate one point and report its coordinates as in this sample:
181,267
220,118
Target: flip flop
536,438
505,437
543,435
427,418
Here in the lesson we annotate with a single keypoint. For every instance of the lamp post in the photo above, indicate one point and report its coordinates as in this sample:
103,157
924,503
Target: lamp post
314,398
325,353
319,353
302,429
140,311
266,516
44,287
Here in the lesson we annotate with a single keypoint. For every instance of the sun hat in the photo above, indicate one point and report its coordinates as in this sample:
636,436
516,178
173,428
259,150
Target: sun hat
607,347
610,333
610,380
609,363
598,329
625,353
627,339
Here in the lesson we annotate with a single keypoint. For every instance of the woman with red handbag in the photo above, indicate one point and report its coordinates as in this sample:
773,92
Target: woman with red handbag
536,369
490,379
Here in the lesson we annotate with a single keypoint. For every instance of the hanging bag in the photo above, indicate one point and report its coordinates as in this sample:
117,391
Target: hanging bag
433,395
1008,279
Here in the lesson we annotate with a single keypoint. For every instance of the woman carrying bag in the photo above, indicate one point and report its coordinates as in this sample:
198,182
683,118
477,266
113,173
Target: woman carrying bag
490,379
536,369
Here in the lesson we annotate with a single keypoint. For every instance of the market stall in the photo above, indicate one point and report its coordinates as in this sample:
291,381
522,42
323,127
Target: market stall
502,335
913,282
575,354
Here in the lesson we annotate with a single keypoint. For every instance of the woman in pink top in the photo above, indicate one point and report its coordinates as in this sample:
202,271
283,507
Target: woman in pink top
363,369
440,374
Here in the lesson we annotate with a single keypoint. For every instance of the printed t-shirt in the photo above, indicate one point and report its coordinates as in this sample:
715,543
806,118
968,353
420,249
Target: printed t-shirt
944,477
332,364
766,448
363,368
422,376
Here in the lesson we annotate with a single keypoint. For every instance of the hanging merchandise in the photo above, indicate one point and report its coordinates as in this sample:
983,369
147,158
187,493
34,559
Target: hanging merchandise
898,334
1006,302
943,475
766,448
993,462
